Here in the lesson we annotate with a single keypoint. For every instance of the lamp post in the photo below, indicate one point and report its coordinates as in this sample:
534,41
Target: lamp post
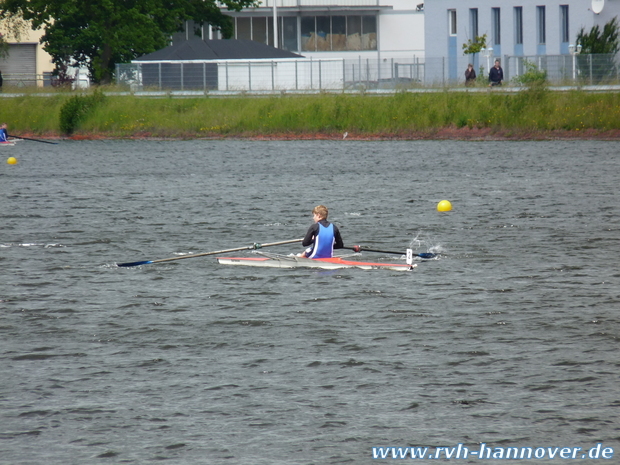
574,51
487,52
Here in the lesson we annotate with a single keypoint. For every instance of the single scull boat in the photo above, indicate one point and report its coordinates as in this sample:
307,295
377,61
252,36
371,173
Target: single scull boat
292,261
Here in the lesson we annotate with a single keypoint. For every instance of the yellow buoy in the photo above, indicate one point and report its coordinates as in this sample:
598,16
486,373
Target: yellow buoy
444,206
12,161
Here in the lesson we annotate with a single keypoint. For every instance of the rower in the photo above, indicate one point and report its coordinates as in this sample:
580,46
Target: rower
322,237
4,134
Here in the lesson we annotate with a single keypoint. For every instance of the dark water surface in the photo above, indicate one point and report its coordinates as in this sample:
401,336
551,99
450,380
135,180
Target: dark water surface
510,338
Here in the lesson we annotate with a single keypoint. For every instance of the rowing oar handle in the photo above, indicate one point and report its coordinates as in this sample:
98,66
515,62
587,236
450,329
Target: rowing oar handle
254,246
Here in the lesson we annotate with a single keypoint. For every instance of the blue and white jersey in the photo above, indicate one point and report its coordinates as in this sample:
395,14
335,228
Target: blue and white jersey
323,242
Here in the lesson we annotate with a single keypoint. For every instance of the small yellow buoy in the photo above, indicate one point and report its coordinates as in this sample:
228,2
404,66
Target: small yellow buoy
444,206
12,161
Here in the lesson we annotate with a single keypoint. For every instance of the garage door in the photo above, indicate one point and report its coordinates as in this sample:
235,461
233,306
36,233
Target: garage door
20,67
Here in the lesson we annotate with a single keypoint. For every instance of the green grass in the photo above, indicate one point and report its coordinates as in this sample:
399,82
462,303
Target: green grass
399,114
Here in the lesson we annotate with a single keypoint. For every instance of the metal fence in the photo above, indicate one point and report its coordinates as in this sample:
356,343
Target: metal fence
358,74
21,80
273,75
25,80
355,74
565,70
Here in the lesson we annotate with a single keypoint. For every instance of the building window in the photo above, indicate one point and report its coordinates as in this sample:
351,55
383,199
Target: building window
452,22
260,29
473,19
288,33
542,31
243,28
519,25
564,31
334,33
496,26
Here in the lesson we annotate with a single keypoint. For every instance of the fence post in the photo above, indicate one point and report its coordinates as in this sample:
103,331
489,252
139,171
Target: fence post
249,75
359,71
273,82
296,76
443,71
507,65
159,68
320,75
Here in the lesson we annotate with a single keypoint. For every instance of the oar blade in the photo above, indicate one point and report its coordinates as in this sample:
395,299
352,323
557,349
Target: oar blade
427,256
147,262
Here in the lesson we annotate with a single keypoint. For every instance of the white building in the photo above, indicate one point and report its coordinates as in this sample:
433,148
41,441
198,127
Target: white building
542,31
379,40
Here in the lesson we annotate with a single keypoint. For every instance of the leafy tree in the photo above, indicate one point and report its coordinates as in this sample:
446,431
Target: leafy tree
598,52
476,45
13,27
595,41
100,33
4,46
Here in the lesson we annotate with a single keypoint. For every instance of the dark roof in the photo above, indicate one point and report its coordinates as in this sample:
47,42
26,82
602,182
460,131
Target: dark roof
226,49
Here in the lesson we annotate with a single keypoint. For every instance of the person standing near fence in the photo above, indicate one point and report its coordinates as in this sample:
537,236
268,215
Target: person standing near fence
470,75
496,75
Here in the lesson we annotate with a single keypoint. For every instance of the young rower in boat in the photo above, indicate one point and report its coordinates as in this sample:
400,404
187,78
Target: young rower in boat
322,237
4,135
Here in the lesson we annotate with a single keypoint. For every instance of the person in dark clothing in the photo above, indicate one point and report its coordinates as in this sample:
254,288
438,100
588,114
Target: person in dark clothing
1,81
322,237
470,75
496,75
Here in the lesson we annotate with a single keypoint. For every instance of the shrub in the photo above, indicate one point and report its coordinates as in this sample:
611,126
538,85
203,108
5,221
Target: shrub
76,108
532,77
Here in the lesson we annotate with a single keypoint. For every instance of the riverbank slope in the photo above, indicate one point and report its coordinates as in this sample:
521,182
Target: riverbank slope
527,115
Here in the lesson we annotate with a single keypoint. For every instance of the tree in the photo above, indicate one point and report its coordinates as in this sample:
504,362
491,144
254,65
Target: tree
598,52
100,33
476,45
13,27
596,42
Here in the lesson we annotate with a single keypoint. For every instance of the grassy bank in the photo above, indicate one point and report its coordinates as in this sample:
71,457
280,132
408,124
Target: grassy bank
527,114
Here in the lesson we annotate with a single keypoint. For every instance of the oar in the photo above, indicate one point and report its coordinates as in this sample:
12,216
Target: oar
35,140
359,248
249,247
